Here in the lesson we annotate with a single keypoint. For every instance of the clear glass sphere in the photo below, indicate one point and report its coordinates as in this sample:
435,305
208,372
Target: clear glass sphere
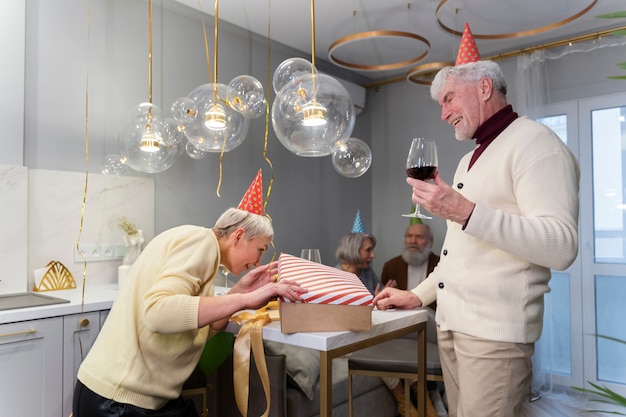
193,152
246,95
289,70
183,110
216,125
311,114
114,164
171,131
140,160
352,158
145,113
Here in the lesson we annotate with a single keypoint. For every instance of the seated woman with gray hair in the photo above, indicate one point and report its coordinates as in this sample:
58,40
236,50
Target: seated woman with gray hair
355,254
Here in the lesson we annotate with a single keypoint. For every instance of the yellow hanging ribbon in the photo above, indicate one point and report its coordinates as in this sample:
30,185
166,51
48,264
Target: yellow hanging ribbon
250,335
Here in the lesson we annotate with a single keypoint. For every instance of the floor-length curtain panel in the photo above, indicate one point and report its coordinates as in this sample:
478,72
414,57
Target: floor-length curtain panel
530,91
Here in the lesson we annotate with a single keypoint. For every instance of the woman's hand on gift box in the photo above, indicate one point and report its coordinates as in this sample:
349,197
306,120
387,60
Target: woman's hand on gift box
254,290
261,285
271,291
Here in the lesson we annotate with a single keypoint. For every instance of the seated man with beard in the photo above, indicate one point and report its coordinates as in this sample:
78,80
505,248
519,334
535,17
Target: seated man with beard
408,270
416,261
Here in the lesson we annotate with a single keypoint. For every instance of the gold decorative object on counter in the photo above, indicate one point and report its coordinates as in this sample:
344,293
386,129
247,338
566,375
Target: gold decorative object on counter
56,277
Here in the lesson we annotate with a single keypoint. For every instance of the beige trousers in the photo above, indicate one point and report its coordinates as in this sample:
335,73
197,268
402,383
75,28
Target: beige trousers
484,378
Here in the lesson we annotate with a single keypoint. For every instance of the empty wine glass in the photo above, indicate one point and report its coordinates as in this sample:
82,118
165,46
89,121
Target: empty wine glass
224,289
312,255
421,164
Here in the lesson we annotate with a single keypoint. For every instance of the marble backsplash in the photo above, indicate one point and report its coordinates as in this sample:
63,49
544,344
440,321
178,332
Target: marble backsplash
13,228
43,220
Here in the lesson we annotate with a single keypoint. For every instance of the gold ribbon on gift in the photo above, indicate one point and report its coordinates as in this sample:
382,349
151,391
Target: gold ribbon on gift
250,336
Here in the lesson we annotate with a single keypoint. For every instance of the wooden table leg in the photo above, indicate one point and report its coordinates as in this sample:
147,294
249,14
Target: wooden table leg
421,371
326,366
326,385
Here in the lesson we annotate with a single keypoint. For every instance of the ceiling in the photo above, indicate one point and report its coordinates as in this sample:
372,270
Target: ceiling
517,23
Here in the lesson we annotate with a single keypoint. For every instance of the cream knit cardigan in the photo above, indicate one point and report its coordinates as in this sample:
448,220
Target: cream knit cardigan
150,342
492,276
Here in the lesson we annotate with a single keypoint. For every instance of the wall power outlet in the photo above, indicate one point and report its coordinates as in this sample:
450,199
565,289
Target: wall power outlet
93,253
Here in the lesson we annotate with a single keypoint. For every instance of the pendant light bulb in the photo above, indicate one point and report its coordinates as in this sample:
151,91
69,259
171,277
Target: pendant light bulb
149,140
313,114
215,118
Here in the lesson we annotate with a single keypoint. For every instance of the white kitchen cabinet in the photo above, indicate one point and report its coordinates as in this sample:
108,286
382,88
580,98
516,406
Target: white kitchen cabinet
39,360
31,355
79,334
103,316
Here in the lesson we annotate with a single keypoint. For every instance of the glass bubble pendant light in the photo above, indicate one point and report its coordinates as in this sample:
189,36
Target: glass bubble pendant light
215,117
148,142
311,111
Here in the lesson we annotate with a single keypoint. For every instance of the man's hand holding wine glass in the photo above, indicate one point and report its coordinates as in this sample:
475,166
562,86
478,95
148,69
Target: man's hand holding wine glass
421,163
440,199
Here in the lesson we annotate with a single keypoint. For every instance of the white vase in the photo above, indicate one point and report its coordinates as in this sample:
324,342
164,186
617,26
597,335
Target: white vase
122,273
134,246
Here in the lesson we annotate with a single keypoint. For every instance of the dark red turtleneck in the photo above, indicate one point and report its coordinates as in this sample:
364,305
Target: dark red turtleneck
490,129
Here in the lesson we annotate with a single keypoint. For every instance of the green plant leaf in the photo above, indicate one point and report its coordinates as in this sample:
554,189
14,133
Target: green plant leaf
615,15
604,395
617,413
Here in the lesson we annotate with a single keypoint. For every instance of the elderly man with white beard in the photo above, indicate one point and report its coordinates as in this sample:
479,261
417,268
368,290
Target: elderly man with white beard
408,270
416,261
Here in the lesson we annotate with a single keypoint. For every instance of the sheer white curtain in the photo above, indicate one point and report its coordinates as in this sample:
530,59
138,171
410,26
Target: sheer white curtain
530,84
530,87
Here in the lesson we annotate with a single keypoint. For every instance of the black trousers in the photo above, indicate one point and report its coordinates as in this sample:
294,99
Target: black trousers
87,403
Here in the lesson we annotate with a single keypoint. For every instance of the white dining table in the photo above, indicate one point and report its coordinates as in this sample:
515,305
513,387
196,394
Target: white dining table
386,325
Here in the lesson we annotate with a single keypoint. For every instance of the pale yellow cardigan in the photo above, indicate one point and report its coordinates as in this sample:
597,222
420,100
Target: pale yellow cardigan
150,342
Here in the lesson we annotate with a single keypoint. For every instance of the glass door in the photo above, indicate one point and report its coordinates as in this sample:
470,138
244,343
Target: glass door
603,127
584,320
556,359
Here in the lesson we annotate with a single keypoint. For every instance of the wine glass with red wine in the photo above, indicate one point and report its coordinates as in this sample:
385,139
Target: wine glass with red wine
421,163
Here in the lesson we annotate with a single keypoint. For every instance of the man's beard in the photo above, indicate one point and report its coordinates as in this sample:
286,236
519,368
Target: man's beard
415,256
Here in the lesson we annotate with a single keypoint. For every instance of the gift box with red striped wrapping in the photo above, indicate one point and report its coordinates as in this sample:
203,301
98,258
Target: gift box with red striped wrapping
336,300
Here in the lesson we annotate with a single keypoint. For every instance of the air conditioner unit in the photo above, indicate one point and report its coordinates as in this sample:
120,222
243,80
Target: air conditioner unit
357,93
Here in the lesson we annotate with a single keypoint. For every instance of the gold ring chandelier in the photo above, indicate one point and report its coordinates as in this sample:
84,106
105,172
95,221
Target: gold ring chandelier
424,74
520,34
361,36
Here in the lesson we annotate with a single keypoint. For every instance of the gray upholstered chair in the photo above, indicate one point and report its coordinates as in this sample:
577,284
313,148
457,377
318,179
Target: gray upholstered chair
397,358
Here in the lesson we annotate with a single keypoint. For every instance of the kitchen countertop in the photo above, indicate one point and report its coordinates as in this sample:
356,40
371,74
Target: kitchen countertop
97,297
